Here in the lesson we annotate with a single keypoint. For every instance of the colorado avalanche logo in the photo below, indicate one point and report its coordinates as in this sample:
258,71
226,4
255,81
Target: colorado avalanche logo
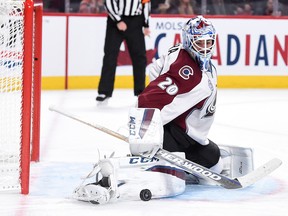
185,72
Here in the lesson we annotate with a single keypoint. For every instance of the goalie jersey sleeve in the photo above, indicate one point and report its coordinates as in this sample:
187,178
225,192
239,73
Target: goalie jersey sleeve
184,94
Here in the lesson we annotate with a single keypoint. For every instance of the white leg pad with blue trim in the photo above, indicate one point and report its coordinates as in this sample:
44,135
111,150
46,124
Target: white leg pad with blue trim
132,178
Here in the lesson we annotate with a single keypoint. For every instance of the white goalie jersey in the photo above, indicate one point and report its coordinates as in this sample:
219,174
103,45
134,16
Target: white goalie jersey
182,92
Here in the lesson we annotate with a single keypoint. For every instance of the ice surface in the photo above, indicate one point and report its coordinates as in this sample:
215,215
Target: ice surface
251,118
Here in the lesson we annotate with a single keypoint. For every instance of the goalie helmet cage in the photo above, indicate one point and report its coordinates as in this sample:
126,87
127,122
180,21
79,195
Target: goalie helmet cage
20,91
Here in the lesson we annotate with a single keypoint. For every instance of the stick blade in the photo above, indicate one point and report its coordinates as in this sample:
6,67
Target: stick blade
259,173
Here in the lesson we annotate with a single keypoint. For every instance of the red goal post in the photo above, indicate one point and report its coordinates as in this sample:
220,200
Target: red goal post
20,91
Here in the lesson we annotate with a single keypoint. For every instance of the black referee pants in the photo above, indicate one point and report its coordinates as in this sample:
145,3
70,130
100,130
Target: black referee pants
135,40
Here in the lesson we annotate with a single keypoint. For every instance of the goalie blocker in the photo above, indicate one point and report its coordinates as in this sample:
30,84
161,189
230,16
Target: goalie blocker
145,131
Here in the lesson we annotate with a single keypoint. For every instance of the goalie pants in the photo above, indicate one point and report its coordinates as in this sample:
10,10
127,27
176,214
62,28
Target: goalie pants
135,41
176,140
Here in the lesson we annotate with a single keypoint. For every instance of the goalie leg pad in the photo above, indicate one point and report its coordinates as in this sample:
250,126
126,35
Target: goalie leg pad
159,177
237,161
130,178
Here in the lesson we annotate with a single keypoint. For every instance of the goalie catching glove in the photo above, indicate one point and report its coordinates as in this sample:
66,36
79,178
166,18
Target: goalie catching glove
145,131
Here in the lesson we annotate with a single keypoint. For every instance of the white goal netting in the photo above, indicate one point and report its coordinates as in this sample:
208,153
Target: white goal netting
11,83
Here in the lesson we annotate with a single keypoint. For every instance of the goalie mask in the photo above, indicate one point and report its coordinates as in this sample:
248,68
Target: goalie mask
199,38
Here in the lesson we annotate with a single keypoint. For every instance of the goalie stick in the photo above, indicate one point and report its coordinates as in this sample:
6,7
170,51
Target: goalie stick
192,167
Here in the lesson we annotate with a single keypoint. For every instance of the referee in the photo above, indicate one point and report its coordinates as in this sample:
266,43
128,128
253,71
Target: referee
125,21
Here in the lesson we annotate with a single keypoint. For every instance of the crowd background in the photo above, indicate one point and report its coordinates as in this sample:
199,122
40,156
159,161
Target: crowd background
204,7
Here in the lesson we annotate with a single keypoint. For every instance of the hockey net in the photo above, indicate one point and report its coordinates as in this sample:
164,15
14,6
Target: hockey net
20,90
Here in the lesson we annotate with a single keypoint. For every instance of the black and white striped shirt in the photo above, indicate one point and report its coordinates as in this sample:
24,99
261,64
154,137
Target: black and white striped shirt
118,8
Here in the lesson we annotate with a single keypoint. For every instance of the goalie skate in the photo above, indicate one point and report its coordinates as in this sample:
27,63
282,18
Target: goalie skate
105,187
92,193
